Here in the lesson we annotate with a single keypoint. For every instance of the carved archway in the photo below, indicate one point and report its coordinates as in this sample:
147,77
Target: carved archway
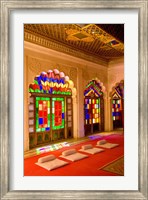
117,105
94,107
50,108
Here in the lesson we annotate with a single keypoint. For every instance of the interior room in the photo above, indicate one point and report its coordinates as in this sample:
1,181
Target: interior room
73,99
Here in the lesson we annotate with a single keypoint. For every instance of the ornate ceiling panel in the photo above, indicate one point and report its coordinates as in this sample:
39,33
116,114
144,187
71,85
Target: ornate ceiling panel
105,41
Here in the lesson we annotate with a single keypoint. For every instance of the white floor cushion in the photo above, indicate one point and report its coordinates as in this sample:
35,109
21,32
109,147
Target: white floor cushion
107,145
74,157
52,164
92,150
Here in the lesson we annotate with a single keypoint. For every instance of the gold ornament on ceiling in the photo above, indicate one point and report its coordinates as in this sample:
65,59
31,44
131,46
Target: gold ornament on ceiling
94,42
91,32
75,35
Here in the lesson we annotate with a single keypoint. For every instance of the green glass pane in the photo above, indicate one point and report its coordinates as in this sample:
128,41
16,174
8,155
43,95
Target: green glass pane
37,104
36,82
31,90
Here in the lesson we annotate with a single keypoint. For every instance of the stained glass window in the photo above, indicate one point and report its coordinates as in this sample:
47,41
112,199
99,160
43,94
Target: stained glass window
42,114
50,105
50,83
92,110
93,88
116,106
58,113
120,90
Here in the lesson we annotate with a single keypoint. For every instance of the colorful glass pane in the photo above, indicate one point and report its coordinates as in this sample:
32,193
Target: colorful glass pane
50,83
58,113
116,106
92,111
42,114
93,88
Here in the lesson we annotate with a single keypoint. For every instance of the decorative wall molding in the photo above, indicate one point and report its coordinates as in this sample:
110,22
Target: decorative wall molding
73,74
42,41
85,73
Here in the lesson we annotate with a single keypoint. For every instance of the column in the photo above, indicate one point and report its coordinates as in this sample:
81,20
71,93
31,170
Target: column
75,117
106,126
80,98
110,114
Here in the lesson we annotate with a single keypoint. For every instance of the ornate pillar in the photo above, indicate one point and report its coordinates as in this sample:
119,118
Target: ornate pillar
80,98
106,126
75,117
102,108
110,114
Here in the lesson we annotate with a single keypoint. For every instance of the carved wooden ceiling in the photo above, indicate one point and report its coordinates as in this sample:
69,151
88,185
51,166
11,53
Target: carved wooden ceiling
104,41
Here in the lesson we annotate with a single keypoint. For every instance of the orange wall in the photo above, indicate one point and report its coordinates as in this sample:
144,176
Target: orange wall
38,59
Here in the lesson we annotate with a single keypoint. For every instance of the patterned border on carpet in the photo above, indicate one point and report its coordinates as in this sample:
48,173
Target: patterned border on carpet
116,166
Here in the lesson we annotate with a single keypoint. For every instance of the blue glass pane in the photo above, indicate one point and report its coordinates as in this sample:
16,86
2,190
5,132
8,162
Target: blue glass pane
47,129
87,116
40,120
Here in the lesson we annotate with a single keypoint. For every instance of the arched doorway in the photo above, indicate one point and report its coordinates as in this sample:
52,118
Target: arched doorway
50,108
117,103
93,108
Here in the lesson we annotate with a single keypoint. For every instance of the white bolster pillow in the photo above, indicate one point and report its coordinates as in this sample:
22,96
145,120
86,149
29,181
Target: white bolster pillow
68,152
87,146
46,158
102,142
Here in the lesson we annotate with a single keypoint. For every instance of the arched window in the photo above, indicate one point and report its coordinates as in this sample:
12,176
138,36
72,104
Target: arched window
93,108
50,108
118,106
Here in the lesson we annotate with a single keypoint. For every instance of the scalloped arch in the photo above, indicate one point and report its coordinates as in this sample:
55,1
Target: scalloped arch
121,83
52,82
101,86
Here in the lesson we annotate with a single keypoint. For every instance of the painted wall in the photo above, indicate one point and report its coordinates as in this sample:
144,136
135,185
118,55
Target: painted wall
38,59
115,75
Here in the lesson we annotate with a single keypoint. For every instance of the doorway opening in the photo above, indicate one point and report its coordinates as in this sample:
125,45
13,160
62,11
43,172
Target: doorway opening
93,108
117,104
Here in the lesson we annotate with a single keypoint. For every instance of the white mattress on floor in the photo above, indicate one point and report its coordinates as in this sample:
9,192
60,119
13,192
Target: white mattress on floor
92,150
74,157
53,164
107,145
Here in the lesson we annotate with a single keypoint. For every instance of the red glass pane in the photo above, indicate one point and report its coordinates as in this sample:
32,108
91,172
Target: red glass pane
58,113
40,113
40,102
45,120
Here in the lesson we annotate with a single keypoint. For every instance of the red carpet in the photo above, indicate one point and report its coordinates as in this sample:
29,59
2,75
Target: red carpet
85,167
